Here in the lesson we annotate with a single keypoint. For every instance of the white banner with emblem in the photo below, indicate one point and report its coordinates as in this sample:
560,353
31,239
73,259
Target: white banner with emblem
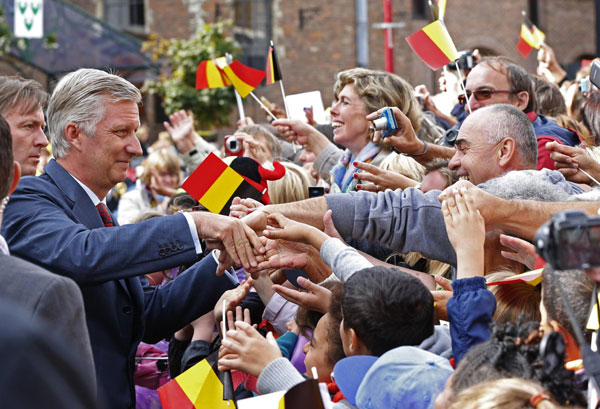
29,18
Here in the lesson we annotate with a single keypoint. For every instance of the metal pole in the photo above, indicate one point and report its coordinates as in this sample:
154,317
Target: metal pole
389,41
362,33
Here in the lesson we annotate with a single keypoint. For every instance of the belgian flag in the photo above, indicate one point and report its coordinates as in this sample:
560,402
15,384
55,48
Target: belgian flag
199,387
530,37
433,45
272,69
217,73
214,185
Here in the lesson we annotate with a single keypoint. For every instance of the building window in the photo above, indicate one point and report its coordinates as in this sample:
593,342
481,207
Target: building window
125,14
253,30
136,13
419,8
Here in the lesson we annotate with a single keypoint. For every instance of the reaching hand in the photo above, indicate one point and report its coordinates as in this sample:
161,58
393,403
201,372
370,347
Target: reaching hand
466,231
254,149
316,298
289,255
294,130
380,179
181,130
548,66
246,350
286,229
242,207
568,160
524,252
238,239
308,113
404,139
232,298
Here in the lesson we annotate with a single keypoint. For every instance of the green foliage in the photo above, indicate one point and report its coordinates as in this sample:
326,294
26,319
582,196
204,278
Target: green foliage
176,83
5,34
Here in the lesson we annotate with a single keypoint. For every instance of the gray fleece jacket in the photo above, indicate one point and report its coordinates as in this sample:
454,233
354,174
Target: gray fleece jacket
410,220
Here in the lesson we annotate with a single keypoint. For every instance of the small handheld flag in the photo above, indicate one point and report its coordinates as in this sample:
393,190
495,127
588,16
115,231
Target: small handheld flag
214,185
243,78
209,75
200,386
433,45
218,73
530,37
272,69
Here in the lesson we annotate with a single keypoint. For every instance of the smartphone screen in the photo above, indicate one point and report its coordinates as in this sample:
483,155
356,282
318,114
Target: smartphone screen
316,191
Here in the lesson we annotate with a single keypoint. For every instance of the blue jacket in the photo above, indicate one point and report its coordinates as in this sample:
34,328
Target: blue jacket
470,312
546,131
51,221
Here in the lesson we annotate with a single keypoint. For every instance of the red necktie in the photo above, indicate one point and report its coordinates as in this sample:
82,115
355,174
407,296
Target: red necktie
105,214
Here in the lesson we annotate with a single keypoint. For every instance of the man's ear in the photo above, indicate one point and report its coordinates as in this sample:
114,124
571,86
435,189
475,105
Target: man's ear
16,177
522,100
354,342
506,151
73,134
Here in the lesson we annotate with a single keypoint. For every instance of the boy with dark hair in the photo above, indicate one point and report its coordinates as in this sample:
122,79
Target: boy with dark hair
384,308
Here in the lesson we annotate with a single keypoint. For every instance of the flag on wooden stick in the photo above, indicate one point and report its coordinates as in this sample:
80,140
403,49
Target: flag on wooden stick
530,37
272,69
438,9
433,45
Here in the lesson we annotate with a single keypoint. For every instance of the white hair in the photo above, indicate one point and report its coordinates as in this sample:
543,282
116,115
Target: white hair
80,97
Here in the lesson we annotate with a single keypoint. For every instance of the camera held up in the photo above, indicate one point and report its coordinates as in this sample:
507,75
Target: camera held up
386,122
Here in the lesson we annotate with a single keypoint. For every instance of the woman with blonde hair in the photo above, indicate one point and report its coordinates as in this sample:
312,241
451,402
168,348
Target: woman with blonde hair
292,187
358,92
508,393
159,180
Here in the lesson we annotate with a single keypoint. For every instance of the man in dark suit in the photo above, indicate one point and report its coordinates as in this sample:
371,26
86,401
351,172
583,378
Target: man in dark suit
59,221
42,299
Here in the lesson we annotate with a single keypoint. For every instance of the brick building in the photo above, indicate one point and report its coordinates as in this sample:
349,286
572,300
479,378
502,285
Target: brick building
315,38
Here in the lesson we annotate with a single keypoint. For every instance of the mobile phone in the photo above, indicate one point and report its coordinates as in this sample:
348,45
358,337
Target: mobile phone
316,191
595,74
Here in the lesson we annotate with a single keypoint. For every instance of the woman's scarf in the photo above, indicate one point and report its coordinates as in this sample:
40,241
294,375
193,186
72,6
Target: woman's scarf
342,172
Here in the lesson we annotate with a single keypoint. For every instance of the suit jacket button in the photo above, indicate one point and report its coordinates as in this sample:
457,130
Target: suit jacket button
174,247
167,250
180,245
127,309
161,252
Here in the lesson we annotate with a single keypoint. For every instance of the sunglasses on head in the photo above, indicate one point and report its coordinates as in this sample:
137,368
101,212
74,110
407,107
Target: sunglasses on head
482,94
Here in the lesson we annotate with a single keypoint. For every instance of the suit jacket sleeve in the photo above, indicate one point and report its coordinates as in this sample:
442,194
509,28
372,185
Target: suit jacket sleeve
67,237
191,295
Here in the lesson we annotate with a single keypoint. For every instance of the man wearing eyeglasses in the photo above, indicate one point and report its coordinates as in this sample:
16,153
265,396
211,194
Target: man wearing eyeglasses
497,80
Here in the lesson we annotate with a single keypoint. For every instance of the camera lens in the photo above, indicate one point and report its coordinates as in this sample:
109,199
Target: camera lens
380,124
233,145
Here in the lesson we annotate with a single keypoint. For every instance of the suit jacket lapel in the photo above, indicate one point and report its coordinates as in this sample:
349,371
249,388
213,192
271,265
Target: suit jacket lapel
81,204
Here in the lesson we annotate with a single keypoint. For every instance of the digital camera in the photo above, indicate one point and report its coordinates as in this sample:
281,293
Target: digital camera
570,240
386,123
233,146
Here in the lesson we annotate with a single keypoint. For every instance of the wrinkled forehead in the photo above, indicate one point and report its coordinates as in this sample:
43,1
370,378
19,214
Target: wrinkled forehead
488,75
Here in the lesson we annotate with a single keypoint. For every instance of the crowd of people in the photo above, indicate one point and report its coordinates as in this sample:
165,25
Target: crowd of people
394,286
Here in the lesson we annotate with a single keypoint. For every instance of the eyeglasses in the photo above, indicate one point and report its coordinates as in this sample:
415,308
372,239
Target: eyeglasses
482,94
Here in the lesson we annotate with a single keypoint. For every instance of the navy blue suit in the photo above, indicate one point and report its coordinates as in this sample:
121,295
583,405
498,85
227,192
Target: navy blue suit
51,221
